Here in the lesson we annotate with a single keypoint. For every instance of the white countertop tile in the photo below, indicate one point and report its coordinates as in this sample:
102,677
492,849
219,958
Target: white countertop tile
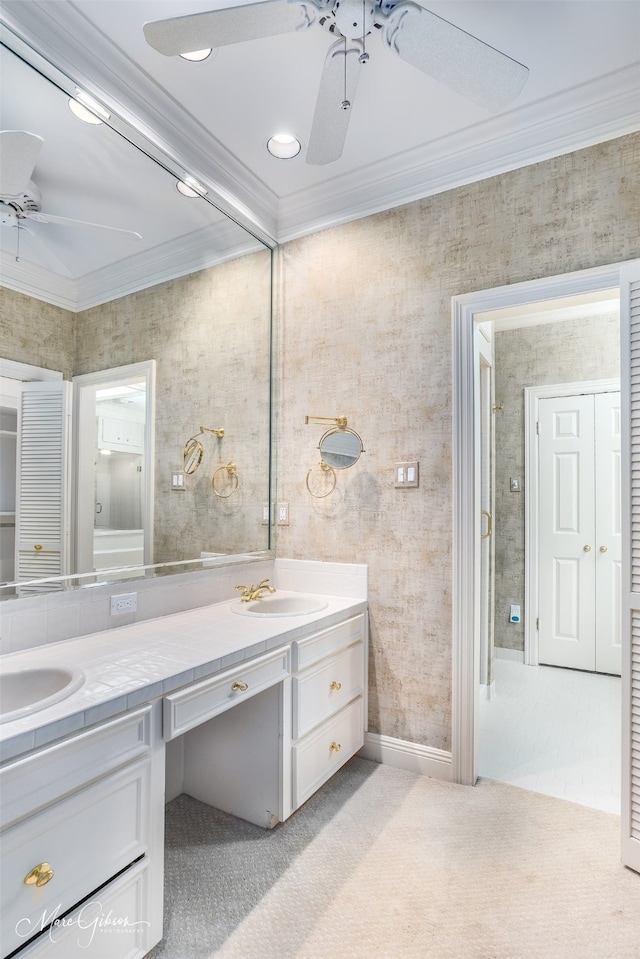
132,664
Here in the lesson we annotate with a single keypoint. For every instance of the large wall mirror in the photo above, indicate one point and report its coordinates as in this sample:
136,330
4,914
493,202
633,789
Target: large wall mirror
188,301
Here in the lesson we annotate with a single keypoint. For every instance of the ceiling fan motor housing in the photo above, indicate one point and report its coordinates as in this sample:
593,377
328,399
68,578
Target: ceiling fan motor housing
354,18
28,201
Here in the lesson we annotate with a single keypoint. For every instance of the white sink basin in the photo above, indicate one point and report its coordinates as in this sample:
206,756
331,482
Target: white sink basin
281,606
25,691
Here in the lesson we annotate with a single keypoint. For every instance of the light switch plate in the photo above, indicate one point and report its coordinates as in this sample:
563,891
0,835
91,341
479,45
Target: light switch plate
407,475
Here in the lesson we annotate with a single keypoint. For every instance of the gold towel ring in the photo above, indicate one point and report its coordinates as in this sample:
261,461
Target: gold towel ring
326,469
232,473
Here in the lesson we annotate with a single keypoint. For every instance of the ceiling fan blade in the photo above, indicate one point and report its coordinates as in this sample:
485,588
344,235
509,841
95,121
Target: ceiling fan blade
456,58
49,259
18,153
330,120
218,28
66,221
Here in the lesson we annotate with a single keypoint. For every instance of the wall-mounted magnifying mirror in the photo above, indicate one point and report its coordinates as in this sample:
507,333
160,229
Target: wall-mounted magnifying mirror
341,448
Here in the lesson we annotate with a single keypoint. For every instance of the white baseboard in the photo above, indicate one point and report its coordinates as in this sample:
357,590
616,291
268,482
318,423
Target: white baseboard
406,755
515,655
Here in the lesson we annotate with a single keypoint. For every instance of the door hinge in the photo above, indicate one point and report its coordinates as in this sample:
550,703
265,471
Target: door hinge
538,623
538,427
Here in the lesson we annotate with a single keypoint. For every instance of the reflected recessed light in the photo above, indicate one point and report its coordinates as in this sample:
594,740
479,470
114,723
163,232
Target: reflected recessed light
86,108
196,56
284,146
190,187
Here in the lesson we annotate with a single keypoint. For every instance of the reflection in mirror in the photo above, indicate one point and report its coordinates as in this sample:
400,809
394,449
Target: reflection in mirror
192,295
340,448
193,450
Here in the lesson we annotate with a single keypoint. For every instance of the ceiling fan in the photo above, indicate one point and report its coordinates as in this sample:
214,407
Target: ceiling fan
20,198
433,45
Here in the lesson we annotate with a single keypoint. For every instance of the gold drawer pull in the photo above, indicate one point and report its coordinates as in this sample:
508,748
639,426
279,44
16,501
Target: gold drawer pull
40,875
239,686
335,685
335,747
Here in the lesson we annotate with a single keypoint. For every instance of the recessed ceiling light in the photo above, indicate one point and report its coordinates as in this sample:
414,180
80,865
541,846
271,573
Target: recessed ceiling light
190,187
196,56
86,108
284,146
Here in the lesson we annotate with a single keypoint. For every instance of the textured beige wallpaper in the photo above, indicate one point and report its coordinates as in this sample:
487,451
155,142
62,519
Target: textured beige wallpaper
567,352
366,332
209,334
37,333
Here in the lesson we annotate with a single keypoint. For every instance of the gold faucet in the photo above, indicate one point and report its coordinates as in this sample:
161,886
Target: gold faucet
249,593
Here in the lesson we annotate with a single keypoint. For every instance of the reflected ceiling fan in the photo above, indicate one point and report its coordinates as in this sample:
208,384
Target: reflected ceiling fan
20,198
433,45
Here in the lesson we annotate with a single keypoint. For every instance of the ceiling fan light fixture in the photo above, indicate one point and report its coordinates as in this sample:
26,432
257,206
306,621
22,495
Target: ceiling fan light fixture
284,146
196,56
87,109
190,187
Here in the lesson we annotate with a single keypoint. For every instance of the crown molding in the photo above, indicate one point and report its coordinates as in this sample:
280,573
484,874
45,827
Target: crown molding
591,113
180,257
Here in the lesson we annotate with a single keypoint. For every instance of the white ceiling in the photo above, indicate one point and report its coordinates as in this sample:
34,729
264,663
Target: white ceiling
409,135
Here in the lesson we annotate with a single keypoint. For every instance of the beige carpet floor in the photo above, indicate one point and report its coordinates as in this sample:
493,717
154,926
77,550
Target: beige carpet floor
385,864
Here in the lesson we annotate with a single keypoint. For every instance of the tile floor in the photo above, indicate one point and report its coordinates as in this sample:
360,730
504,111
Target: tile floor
554,731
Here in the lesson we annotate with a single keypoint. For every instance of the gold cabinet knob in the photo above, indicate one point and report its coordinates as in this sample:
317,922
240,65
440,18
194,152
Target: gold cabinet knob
335,685
603,549
239,686
40,875
587,549
37,547
335,747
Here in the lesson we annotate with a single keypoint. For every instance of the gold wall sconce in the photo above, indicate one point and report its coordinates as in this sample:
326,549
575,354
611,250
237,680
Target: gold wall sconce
225,481
193,449
340,447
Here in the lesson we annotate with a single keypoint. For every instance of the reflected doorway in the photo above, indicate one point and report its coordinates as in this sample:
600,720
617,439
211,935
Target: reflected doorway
114,413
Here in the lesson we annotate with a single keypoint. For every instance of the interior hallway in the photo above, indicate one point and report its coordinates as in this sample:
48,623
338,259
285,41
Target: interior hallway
554,731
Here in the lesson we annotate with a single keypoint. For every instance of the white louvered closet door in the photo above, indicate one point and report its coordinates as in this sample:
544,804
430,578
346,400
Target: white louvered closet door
630,330
42,501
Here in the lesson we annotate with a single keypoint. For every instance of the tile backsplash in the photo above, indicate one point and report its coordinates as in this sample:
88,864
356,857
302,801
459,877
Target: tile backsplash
41,620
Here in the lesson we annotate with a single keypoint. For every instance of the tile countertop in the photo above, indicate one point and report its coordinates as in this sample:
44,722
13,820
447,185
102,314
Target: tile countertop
130,665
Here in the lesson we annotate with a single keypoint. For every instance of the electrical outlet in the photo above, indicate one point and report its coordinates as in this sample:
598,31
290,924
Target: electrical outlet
283,514
124,603
266,515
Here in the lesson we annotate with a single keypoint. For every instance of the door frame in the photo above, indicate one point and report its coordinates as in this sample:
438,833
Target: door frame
532,397
466,491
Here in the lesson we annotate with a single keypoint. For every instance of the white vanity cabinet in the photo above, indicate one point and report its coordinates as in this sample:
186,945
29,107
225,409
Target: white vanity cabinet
84,818
259,739
328,701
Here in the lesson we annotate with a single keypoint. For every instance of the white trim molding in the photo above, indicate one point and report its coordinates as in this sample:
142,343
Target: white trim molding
466,490
413,757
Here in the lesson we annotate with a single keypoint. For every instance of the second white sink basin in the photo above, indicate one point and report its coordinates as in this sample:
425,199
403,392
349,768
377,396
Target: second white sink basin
281,606
26,691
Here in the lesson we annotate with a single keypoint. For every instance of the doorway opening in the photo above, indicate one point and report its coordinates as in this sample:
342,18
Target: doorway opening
551,730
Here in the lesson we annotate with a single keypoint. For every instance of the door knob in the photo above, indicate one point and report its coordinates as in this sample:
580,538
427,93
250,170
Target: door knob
587,549
603,549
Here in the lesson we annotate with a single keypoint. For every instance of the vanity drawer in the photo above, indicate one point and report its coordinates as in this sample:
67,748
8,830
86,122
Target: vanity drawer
308,651
319,755
112,925
45,776
320,692
87,838
194,705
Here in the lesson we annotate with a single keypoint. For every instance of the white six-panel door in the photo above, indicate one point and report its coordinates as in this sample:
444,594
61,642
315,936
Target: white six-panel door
579,531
